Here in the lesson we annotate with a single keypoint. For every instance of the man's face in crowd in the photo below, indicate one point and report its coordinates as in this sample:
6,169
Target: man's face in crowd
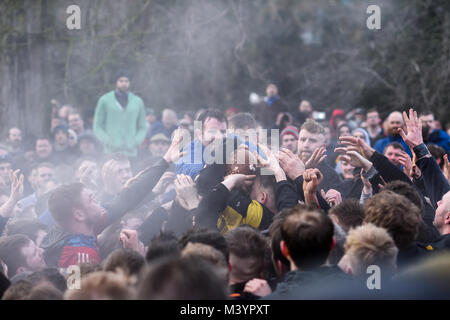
308,142
168,119
158,148
43,148
34,257
213,129
393,155
91,207
344,131
442,216
61,138
373,119
44,176
121,173
288,141
395,122
87,147
347,170
76,123
123,84
5,169
428,120
305,107
15,137
88,168
150,119
271,90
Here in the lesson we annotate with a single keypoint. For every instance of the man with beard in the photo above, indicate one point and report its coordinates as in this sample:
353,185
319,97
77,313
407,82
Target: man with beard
311,150
432,135
395,122
119,120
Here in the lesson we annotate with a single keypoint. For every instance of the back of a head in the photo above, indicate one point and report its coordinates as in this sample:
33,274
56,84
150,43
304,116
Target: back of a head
63,200
308,235
49,275
349,213
407,190
44,291
181,279
247,251
128,260
28,227
206,236
396,214
18,290
208,253
101,286
370,245
163,245
242,121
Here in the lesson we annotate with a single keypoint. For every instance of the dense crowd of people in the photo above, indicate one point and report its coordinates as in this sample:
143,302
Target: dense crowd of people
275,203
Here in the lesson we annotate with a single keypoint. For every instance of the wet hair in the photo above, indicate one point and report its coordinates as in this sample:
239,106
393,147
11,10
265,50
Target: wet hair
312,126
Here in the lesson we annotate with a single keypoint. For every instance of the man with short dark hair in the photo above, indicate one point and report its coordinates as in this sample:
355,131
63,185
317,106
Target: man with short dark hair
214,127
374,129
21,254
267,112
307,239
76,122
393,152
119,120
431,134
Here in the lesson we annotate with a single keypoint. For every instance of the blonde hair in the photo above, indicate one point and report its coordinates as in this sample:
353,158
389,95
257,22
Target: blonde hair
370,245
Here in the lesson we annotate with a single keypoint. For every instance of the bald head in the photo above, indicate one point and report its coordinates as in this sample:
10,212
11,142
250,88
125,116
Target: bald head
169,118
442,216
395,121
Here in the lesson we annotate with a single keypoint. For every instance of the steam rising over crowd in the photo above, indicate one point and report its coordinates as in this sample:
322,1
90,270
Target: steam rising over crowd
203,205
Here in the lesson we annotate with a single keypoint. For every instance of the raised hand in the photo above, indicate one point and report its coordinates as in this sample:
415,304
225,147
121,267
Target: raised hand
238,180
291,164
271,163
187,195
311,180
129,239
173,154
351,155
405,161
446,169
414,127
16,185
258,287
316,158
333,197
361,146
163,182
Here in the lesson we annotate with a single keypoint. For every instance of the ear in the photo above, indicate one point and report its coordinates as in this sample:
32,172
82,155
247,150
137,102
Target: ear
348,270
284,249
262,197
78,215
447,218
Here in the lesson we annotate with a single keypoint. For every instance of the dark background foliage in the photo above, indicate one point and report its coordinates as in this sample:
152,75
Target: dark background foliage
191,54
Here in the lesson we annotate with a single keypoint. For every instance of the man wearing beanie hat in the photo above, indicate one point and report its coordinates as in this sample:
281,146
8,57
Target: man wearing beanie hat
62,152
289,138
119,120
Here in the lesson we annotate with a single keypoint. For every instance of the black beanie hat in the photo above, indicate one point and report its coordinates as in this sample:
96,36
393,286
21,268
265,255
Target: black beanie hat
120,74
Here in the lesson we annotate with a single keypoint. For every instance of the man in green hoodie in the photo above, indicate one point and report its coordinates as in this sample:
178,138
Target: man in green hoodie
119,120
